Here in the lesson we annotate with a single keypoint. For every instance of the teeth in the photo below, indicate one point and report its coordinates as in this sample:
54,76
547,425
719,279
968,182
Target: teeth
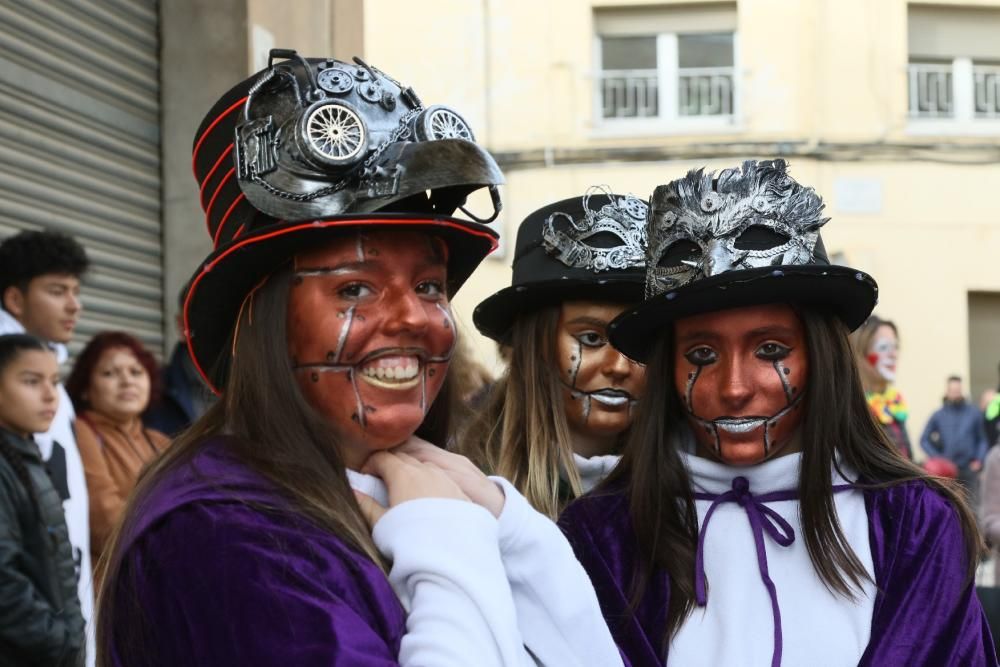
392,370
392,373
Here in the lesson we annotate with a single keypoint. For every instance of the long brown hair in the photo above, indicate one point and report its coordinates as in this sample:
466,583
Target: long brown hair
861,343
276,433
837,422
522,433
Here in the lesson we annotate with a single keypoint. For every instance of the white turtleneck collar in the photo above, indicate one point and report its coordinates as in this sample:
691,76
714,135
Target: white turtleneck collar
593,470
778,474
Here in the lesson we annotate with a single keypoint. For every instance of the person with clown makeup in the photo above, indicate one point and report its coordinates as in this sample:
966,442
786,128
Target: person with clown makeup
876,348
306,518
554,424
760,515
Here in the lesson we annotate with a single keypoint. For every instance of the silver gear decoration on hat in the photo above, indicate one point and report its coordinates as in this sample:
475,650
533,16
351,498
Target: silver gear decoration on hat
623,217
335,80
335,133
701,225
441,122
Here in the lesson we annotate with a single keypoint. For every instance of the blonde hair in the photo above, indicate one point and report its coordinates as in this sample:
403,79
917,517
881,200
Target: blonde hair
861,344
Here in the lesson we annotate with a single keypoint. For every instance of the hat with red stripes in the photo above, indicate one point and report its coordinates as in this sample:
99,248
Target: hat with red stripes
309,148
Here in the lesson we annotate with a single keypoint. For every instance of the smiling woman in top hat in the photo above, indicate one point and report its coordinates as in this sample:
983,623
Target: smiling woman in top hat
757,500
555,422
322,318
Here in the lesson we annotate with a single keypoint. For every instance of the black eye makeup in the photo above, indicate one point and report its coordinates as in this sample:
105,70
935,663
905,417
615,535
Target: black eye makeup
773,351
590,339
701,356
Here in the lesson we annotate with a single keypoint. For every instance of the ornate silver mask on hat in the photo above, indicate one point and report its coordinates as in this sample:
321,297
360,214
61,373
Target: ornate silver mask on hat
755,216
612,237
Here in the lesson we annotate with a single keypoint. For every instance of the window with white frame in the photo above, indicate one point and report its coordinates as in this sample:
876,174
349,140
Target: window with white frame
954,63
665,63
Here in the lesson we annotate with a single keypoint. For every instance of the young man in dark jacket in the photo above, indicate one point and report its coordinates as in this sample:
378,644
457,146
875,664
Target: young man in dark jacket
40,619
956,432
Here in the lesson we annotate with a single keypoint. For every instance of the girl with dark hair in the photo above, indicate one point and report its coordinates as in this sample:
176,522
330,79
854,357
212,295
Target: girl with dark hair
300,521
40,620
112,384
554,424
760,515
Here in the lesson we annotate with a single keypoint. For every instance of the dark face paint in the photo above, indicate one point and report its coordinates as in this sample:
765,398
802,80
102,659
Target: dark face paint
370,334
741,374
600,385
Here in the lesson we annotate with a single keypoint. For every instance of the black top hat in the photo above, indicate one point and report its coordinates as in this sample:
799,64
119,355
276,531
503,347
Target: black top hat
746,236
307,149
580,248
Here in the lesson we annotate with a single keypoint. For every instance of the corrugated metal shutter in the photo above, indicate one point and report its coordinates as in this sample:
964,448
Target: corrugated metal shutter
80,148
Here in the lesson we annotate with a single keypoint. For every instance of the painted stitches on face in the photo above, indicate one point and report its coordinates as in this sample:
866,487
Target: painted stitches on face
372,309
742,375
601,386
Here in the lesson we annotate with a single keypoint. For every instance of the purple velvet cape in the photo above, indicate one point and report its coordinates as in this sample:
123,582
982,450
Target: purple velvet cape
926,611
222,580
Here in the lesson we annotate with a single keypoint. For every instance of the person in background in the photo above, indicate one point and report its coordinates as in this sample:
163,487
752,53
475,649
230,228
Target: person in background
40,621
876,348
956,432
991,415
40,275
111,385
184,397
555,423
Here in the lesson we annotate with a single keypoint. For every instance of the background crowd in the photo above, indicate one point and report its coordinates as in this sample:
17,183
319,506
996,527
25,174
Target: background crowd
75,448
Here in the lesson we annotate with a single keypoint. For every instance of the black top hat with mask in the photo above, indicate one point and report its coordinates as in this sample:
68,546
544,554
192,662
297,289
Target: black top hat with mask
310,148
742,237
589,248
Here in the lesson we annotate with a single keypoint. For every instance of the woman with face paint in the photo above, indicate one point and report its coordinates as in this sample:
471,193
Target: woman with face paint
555,423
876,348
760,516
300,521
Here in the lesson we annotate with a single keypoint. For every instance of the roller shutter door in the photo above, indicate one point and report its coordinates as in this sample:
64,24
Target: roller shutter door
80,148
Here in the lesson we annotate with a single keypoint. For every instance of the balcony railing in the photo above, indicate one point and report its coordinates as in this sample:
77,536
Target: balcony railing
986,87
931,91
629,93
705,91
701,92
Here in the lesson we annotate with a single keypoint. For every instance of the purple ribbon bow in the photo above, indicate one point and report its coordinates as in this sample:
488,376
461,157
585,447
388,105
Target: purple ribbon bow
762,519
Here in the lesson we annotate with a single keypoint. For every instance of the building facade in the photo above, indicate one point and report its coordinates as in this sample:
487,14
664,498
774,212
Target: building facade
891,109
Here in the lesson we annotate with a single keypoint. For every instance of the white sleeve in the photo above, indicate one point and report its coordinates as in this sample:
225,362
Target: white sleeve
558,613
447,572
